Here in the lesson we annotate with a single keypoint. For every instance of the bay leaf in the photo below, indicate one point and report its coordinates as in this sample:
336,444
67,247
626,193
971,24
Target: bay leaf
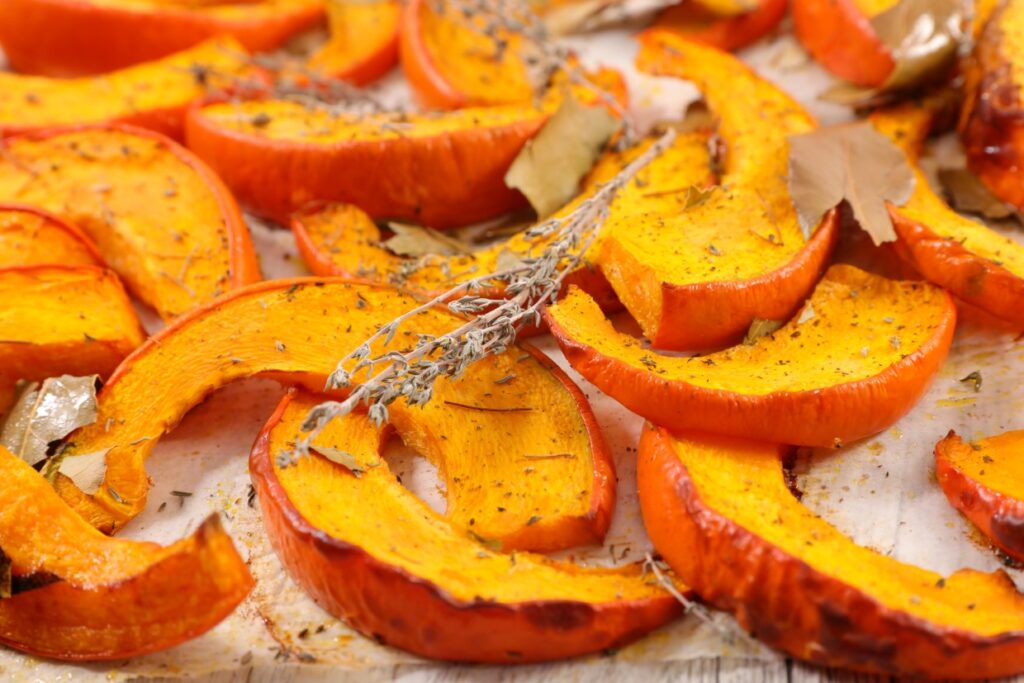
967,193
549,168
851,162
761,328
87,470
415,241
43,414
345,459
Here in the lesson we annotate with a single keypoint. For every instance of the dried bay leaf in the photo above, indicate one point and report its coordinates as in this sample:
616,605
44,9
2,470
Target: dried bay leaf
345,459
45,413
87,470
761,328
415,240
549,168
851,162
968,194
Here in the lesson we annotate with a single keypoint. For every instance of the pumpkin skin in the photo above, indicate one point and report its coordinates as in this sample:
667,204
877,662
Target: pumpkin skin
839,35
803,587
30,236
68,38
690,20
485,612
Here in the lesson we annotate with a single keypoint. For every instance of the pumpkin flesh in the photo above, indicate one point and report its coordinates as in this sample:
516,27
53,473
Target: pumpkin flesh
30,236
693,21
363,43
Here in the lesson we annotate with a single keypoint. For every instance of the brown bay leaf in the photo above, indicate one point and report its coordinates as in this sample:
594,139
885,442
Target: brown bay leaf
415,240
968,194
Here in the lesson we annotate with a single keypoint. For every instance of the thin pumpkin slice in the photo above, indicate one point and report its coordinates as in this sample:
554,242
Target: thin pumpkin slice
857,357
696,279
442,170
719,511
340,239
30,236
105,598
840,37
153,95
363,43
972,261
730,32
984,480
159,216
504,410
68,38
368,551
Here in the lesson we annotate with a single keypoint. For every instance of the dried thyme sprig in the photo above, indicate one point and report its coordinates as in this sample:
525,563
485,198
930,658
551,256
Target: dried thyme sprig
528,287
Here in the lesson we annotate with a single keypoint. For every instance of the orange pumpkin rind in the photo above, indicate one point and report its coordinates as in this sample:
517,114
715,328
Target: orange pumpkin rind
840,37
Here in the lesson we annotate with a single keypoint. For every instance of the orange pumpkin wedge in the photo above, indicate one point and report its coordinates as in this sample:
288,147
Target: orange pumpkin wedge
732,32
972,261
30,236
111,598
720,513
984,480
363,43
339,239
290,329
368,551
67,38
442,170
159,216
840,37
859,355
153,95
696,279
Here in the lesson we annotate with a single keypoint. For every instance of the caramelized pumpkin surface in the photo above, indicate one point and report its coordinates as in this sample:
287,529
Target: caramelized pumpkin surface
30,236
719,511
371,552
857,357
160,218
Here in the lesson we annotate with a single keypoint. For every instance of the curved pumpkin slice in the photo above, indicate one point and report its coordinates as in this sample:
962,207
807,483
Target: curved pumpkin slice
340,239
696,279
160,217
517,405
31,236
368,551
364,40
840,37
112,598
66,38
695,22
719,512
859,356
972,261
152,95
985,481
990,121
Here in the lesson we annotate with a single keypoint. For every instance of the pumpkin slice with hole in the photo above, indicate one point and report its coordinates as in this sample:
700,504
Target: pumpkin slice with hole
160,217
840,37
368,551
440,170
363,43
509,407
339,239
153,95
102,598
990,121
719,511
67,38
695,22
984,480
696,279
972,261
30,236
859,355
58,320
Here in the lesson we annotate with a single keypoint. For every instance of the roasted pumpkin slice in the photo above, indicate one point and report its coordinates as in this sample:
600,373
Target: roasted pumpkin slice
160,217
840,37
368,551
152,95
984,480
858,356
363,45
990,123
719,511
105,598
696,279
733,31
505,409
65,38
31,236
974,262
340,239
57,320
